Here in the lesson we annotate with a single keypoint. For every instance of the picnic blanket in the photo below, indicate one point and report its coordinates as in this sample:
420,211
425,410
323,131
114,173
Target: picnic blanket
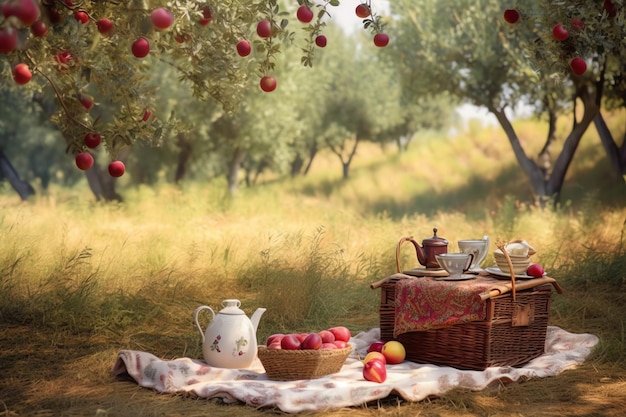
411,381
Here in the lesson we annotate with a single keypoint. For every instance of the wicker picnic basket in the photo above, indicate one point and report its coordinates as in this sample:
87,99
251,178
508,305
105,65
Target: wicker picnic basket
292,365
513,332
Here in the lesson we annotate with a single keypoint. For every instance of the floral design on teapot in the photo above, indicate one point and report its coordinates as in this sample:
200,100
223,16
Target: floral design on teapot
216,343
237,351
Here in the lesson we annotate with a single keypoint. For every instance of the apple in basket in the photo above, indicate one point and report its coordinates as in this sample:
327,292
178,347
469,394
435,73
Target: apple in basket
375,371
327,336
290,342
341,333
394,352
312,342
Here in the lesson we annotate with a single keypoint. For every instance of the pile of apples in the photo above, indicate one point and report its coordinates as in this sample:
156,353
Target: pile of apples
333,338
379,354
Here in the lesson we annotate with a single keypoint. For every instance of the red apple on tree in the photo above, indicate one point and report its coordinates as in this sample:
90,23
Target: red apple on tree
511,16
206,16
146,115
92,140
381,40
362,10
105,26
27,11
559,32
22,74
8,40
86,100
141,47
578,66
84,161
321,41
81,16
116,169
268,83
39,29
264,29
577,24
161,18
304,14
243,48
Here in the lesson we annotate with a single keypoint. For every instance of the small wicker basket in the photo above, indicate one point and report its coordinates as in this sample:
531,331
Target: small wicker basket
292,365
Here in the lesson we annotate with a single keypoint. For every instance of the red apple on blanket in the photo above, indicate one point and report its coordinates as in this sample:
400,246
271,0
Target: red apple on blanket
376,346
535,270
375,371
374,356
394,352
341,333
312,342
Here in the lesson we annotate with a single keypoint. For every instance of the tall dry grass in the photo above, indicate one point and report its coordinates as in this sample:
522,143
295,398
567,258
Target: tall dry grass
130,275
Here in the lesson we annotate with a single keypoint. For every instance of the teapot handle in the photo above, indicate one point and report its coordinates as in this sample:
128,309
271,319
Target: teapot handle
195,318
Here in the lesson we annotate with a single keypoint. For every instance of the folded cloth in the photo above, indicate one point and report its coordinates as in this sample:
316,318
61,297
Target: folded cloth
427,303
412,381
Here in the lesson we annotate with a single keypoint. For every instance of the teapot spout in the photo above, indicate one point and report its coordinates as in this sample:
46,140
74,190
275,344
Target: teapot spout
256,317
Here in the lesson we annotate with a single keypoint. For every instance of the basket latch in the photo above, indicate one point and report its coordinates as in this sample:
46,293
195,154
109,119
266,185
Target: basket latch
523,315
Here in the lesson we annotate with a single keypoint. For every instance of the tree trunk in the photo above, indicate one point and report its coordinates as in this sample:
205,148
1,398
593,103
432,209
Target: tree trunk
233,170
186,150
549,185
23,188
345,162
102,185
616,155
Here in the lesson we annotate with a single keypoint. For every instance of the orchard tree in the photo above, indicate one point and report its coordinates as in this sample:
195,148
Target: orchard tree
466,50
584,41
91,55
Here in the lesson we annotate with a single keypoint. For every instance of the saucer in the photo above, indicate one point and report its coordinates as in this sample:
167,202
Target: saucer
463,277
500,273
426,272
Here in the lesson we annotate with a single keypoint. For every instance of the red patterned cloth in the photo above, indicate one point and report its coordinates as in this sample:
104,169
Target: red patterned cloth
425,304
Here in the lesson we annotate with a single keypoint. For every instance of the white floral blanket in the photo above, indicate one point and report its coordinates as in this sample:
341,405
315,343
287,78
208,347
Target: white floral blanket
411,381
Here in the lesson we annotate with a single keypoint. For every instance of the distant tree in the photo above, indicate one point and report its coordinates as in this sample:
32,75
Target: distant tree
468,50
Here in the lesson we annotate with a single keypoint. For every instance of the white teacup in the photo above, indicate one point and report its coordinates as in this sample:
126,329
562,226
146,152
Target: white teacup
455,263
478,247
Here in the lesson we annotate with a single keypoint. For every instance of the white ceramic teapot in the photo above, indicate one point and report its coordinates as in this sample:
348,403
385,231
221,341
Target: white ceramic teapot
230,338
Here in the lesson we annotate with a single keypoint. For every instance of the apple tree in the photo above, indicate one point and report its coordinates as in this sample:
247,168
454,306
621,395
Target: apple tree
469,51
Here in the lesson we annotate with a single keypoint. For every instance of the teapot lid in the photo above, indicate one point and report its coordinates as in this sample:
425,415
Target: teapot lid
435,240
231,307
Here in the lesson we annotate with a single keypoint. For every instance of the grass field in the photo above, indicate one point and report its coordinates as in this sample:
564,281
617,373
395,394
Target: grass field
80,281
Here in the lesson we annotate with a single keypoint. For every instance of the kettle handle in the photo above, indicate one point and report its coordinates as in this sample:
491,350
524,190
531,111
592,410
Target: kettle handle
195,318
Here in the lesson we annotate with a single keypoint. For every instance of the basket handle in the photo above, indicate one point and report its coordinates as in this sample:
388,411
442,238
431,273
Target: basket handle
404,239
502,247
